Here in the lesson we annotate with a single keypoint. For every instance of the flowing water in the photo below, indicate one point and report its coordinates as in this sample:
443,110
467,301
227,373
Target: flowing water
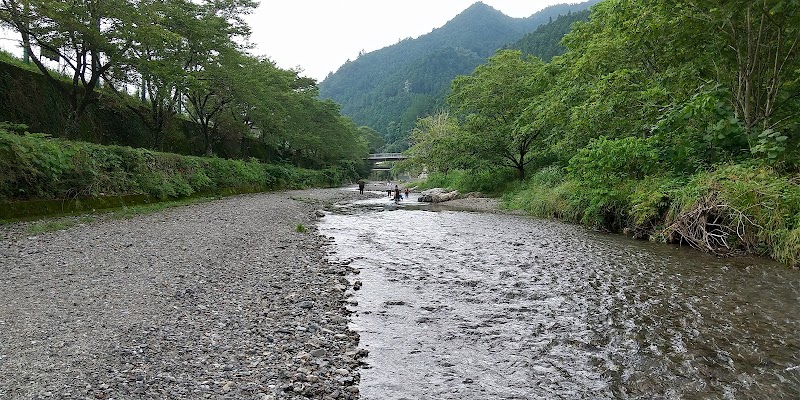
466,305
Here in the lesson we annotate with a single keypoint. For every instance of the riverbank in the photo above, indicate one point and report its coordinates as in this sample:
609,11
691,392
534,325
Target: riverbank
231,298
730,210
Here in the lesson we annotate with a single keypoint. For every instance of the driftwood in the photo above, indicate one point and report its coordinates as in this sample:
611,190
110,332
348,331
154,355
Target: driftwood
713,226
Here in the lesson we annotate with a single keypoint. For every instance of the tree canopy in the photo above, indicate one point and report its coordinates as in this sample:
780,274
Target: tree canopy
187,61
700,82
390,88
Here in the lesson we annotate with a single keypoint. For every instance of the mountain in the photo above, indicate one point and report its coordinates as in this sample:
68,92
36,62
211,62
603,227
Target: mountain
388,89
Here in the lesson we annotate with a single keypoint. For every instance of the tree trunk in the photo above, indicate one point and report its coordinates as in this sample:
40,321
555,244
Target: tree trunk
73,125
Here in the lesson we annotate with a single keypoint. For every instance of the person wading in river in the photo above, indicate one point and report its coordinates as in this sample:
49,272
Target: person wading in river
397,193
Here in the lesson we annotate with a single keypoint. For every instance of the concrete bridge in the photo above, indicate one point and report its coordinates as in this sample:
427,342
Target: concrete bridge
377,157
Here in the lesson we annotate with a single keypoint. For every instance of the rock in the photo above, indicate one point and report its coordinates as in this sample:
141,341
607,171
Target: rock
437,195
306,304
317,352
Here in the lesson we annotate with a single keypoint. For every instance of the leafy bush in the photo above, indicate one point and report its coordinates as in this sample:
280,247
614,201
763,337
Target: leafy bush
701,132
484,181
37,167
13,127
547,194
606,162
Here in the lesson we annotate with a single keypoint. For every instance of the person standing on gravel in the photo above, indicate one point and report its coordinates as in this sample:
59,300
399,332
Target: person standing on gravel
361,187
389,188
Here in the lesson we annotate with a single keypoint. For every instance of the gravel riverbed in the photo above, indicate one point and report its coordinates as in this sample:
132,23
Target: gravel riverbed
222,300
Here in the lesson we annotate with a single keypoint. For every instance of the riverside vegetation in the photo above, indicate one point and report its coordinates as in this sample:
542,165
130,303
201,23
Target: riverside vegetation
671,121
154,101
37,167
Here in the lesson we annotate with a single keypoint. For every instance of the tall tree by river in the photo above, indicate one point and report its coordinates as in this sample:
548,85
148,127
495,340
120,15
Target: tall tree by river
676,121
497,121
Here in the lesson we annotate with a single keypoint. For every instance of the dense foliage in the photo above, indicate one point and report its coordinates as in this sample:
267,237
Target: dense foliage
198,90
37,167
674,121
388,89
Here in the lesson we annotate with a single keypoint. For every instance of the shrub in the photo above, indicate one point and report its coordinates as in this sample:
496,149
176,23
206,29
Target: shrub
548,194
484,181
605,162
37,167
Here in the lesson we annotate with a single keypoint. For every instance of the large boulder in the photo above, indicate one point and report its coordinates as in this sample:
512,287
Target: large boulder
437,195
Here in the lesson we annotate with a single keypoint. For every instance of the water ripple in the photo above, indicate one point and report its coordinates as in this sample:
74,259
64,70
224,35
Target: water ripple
460,305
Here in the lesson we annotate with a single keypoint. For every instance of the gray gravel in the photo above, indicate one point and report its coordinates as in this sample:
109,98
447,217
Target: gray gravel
222,300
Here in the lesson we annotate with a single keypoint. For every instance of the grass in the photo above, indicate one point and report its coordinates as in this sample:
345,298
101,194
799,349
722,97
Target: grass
50,226
145,209
63,223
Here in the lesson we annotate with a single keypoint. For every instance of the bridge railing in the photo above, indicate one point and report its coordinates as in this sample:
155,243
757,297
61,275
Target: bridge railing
387,156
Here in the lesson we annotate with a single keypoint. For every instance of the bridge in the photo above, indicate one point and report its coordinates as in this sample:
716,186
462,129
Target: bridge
378,157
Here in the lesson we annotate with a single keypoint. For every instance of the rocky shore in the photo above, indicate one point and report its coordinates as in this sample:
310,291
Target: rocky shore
230,299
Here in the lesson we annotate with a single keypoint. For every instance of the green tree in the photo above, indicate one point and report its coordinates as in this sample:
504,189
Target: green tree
760,45
215,62
318,136
88,36
373,138
156,62
436,144
638,63
494,102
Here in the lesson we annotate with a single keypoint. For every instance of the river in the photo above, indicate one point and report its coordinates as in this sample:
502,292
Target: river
467,305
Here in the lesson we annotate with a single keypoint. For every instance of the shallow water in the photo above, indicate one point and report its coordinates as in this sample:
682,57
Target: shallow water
465,305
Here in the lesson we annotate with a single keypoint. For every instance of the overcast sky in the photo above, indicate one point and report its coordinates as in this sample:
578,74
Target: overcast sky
318,36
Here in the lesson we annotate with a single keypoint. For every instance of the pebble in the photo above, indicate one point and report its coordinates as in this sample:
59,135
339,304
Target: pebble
215,300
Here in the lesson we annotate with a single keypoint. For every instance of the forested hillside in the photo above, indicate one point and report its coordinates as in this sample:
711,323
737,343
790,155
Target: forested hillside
545,41
388,89
673,121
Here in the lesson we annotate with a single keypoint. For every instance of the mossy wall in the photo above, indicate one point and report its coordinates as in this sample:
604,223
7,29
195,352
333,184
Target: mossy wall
30,98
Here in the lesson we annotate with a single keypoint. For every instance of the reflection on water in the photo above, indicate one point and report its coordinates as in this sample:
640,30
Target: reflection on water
459,305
